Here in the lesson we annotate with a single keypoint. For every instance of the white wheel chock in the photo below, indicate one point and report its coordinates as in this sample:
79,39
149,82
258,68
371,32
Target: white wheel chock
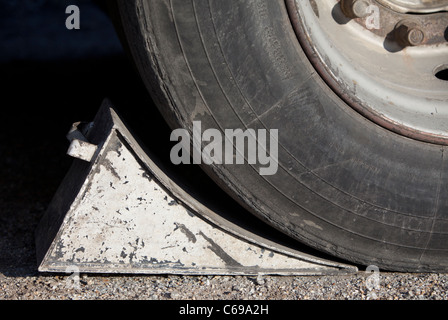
116,211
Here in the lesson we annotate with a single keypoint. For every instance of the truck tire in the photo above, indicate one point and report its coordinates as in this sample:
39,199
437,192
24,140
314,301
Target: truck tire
345,185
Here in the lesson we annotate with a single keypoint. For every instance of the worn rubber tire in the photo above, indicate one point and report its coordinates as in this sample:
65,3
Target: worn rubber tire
345,185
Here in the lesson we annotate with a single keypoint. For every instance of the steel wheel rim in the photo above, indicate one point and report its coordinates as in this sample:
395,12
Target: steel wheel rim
396,87
415,6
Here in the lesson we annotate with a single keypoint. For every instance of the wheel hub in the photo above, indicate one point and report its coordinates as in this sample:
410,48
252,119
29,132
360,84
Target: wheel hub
387,63
415,6
404,29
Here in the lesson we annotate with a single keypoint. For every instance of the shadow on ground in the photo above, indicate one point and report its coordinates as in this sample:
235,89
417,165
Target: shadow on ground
52,77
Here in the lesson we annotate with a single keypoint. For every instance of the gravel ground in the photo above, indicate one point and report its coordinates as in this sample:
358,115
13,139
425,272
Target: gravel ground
392,286
48,89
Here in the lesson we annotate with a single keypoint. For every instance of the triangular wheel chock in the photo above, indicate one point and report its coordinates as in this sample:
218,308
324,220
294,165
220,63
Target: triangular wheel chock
116,211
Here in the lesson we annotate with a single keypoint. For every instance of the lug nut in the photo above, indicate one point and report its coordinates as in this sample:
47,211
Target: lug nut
408,33
355,8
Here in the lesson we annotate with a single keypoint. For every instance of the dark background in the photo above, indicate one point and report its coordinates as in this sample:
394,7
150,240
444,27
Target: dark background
51,77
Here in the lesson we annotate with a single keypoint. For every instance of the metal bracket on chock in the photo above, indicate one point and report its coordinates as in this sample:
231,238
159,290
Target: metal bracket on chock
116,211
